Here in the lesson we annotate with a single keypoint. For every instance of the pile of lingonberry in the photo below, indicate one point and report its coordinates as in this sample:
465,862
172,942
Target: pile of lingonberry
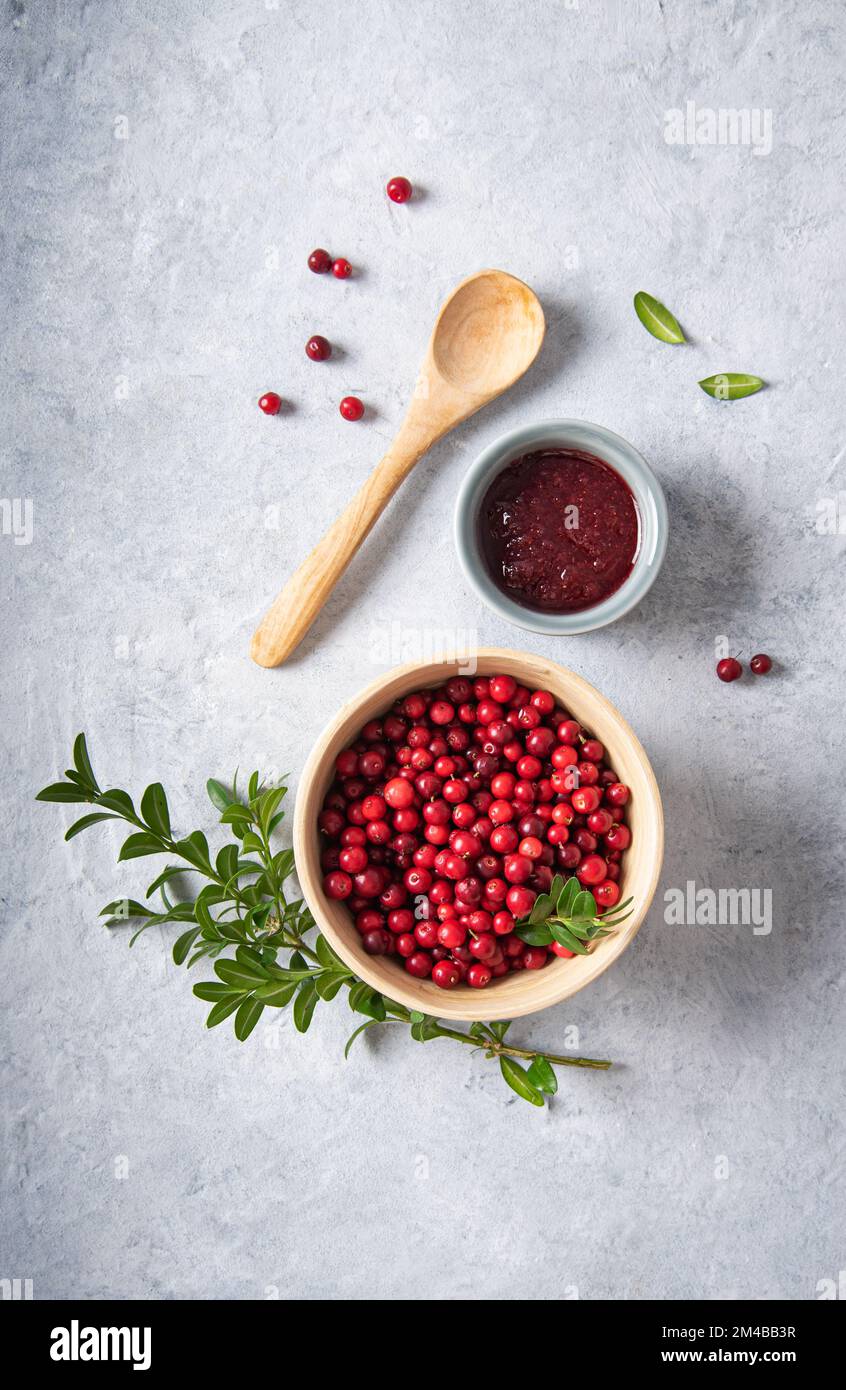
453,811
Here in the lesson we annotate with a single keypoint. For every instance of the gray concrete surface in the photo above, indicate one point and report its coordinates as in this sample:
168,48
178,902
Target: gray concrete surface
165,171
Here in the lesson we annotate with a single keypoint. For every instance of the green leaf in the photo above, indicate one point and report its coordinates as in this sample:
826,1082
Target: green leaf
541,1074
327,956
193,851
427,1028
242,976
304,1005
222,1009
556,888
567,896
269,803
365,1000
84,823
227,862
182,945
500,1029
116,800
362,1028
539,935
276,993
165,876
82,762
657,319
731,386
218,795
62,791
137,846
211,991
248,1015
584,905
236,812
251,958
565,937
329,983
154,809
541,908
518,1080
124,908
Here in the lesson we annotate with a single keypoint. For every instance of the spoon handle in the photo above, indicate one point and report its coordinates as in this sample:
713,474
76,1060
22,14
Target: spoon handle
293,612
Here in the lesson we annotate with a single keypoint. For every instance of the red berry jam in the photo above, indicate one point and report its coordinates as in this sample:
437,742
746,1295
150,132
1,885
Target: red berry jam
559,530
452,811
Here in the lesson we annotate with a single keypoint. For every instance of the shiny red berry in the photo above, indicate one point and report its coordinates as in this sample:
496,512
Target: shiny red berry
479,975
341,269
729,669
319,261
270,403
761,664
318,349
446,974
399,190
351,408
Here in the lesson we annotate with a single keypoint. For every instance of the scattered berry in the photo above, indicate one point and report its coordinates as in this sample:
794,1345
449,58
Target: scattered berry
318,349
399,190
729,669
351,408
761,664
270,403
341,269
319,261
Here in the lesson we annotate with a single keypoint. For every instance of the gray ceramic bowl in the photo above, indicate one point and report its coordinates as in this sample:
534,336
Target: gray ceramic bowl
592,439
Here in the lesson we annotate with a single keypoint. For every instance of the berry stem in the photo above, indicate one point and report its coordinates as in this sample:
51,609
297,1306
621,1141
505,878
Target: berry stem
527,1054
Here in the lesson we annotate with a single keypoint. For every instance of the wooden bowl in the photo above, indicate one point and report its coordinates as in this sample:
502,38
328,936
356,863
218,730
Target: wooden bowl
524,991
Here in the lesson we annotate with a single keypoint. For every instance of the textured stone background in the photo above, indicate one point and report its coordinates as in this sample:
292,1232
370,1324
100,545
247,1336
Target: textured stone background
153,286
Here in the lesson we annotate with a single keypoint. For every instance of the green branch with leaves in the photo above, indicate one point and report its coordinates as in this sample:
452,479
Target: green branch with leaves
243,922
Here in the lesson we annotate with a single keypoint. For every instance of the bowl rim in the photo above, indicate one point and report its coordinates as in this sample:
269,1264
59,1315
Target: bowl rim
633,468
463,1004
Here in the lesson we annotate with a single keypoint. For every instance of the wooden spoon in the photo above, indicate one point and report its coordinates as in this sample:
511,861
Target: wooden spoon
488,333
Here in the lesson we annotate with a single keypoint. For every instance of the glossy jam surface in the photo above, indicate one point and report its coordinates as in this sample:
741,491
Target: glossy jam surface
559,530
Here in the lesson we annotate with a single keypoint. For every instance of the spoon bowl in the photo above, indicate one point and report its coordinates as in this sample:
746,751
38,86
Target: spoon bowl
467,353
487,334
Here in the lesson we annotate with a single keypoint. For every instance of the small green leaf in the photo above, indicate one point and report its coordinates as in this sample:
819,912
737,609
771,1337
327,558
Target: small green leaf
241,976
500,1028
328,984
565,937
182,945
211,991
62,791
84,823
82,762
154,809
124,908
222,1009
362,1028
116,800
218,795
365,1000
137,846
304,1005
731,386
276,993
539,935
172,871
657,319
541,908
518,1080
567,897
248,1015
584,905
327,956
541,1074
237,813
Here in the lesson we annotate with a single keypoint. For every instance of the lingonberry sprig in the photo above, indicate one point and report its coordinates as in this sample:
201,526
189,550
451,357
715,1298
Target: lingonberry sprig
242,920
568,916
